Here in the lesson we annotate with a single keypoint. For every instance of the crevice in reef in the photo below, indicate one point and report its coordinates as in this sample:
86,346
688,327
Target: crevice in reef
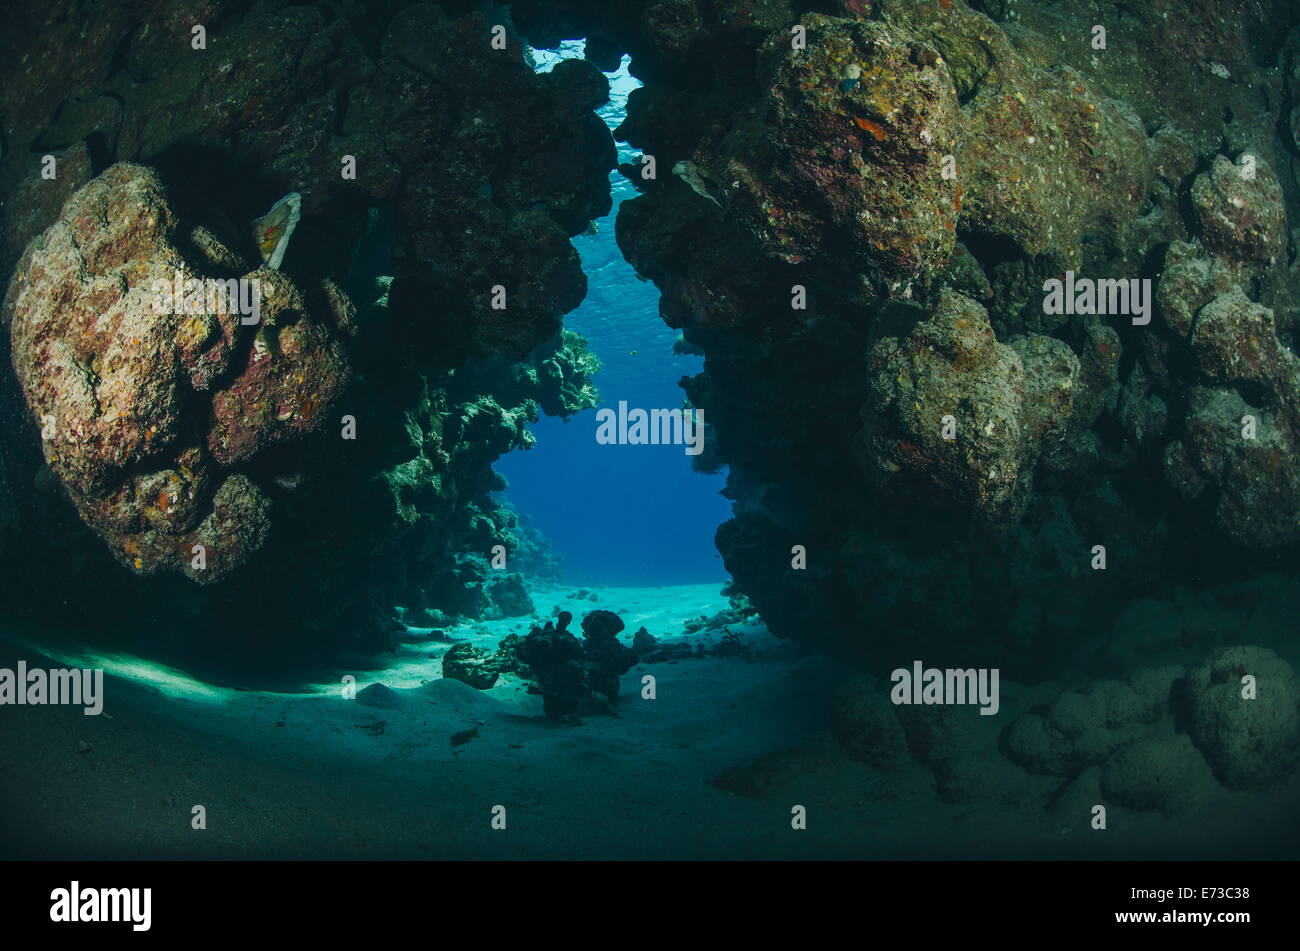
641,491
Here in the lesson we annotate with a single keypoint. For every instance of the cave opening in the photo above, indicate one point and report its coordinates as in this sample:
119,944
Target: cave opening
619,514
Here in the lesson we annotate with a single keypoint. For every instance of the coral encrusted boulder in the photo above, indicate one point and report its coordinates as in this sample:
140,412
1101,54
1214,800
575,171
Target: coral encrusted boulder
470,665
151,382
577,677
960,415
845,153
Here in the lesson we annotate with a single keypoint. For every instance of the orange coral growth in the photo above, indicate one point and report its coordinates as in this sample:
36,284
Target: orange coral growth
875,128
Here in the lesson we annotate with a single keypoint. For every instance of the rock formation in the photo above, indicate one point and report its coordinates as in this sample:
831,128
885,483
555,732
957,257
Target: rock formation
432,168
577,677
878,194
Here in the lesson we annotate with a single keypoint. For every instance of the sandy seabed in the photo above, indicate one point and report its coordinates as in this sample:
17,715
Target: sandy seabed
301,772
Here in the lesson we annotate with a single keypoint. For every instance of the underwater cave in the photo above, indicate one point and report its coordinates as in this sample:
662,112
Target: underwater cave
621,514
653,429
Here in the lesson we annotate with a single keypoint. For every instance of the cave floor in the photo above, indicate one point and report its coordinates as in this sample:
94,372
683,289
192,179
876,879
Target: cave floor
304,773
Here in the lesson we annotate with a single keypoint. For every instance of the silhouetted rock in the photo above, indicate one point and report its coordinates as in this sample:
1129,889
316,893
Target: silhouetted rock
577,677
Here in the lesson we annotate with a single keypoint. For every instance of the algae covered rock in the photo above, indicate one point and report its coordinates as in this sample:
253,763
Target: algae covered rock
1240,210
295,370
844,154
1249,732
1041,154
1240,383
116,337
1258,499
1190,280
960,415
1235,341
470,665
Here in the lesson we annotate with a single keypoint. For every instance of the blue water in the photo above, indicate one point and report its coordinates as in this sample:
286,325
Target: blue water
620,515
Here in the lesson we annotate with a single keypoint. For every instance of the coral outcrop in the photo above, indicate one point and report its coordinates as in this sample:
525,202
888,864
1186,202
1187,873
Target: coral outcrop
1080,729
577,677
952,407
1160,774
470,665
115,372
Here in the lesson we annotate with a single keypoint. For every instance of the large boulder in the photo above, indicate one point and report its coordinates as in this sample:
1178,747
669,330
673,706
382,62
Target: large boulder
957,414
1249,734
116,342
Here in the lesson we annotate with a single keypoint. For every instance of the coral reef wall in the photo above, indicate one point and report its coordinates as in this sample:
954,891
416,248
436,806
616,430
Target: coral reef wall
868,199
333,461
858,209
